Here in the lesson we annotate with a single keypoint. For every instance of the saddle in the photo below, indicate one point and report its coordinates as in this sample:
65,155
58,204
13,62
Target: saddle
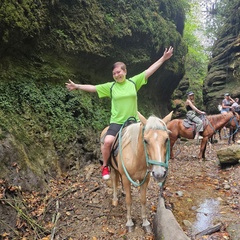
187,123
115,145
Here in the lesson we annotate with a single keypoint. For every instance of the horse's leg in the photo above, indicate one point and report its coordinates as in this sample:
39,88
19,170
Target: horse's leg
203,148
233,135
115,179
128,197
143,191
230,135
172,141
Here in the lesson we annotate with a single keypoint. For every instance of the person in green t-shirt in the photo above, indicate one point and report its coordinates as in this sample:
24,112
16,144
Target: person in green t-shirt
123,94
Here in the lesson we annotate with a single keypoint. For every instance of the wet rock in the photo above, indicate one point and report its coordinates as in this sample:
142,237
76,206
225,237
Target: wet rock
179,193
227,187
187,223
229,154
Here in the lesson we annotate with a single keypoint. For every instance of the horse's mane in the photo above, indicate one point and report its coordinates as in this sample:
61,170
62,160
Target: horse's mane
154,122
130,135
220,115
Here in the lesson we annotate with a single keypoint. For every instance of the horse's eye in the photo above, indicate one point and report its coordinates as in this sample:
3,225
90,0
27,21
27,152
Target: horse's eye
145,141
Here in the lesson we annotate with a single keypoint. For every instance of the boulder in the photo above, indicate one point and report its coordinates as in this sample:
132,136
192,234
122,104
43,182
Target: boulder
230,154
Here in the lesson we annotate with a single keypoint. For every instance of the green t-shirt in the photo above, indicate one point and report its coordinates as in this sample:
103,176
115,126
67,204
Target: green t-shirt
123,96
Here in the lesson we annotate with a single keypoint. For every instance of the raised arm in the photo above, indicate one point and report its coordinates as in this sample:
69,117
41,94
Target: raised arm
154,67
85,87
232,101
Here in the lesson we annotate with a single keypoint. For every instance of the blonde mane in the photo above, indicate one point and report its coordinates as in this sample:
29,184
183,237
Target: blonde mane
131,134
154,122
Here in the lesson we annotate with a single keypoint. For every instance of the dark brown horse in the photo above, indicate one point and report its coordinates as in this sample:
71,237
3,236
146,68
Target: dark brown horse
233,125
212,123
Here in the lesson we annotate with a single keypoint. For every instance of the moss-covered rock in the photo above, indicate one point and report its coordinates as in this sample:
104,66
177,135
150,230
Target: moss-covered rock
44,43
224,68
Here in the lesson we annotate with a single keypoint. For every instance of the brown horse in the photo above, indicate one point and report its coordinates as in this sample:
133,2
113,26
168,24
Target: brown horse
144,147
233,125
212,123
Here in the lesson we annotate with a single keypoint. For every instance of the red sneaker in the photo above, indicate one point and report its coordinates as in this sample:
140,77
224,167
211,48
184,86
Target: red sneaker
105,173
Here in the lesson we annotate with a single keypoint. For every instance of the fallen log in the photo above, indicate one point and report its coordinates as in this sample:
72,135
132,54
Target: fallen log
165,226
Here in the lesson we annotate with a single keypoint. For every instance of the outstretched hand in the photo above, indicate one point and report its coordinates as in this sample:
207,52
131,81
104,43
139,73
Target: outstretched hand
70,85
168,53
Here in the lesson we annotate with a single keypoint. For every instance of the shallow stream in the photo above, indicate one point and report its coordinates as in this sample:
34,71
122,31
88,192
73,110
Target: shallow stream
202,194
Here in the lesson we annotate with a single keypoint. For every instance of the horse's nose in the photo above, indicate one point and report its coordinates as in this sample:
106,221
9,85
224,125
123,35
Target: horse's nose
159,173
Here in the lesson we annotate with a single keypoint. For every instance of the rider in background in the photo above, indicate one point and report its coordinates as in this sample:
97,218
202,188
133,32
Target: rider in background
191,114
236,106
226,103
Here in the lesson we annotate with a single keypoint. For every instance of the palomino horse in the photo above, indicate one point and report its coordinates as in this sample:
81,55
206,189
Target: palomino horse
144,147
212,123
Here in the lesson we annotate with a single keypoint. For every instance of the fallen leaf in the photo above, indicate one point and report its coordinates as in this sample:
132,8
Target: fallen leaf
5,234
111,230
45,238
154,208
122,232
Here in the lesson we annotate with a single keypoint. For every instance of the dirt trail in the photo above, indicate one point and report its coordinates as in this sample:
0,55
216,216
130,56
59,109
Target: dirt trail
78,206
87,213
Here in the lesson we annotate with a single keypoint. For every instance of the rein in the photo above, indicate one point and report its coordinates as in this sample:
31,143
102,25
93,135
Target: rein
209,123
148,161
232,118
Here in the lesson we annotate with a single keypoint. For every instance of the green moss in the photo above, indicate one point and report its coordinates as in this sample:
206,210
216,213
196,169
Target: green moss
45,44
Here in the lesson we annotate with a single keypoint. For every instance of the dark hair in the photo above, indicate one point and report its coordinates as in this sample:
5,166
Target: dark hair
119,64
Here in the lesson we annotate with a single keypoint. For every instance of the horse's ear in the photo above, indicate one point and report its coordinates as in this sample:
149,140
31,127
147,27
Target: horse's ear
168,117
142,118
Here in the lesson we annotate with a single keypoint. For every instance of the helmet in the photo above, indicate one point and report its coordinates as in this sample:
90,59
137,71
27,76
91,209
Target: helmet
190,93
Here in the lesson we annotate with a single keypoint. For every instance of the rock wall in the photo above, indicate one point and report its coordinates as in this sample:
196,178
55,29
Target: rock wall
224,67
44,43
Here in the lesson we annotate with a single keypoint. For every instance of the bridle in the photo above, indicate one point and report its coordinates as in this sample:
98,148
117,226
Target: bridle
148,160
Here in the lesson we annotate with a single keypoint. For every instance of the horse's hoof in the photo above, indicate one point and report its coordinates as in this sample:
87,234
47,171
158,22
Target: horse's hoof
147,229
130,228
114,203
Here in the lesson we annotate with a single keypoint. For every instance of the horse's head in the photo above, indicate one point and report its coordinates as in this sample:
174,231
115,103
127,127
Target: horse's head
156,144
236,120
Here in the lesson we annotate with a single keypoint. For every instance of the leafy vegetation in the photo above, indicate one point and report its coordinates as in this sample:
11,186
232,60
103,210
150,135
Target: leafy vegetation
33,95
44,43
218,13
197,57
21,20
39,109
